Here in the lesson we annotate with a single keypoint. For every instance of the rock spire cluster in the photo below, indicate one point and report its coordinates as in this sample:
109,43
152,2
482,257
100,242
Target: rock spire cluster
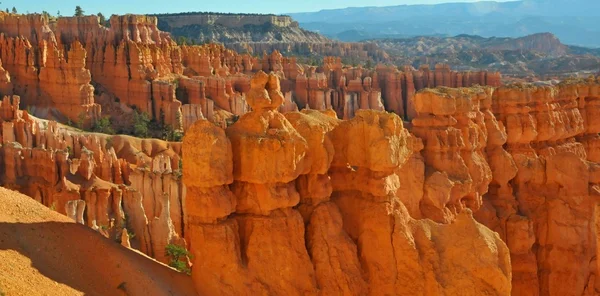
387,181
313,200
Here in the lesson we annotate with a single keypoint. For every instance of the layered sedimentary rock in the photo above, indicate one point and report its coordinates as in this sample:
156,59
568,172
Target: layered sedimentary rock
535,147
110,183
53,65
6,86
313,199
453,128
546,212
127,58
218,80
48,75
132,65
264,204
339,198
357,206
348,89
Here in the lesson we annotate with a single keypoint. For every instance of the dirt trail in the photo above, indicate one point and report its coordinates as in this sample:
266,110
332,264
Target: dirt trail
45,253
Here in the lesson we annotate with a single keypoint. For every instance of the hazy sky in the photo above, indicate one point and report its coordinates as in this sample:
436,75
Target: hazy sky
108,7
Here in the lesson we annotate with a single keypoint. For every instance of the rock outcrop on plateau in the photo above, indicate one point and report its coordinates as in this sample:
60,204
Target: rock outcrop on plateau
236,28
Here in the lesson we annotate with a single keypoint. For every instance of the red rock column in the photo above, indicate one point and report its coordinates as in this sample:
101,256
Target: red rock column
553,184
341,274
266,236
454,134
369,149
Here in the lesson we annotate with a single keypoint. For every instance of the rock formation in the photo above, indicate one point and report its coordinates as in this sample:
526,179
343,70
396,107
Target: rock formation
109,183
546,212
236,29
453,128
6,86
369,205
535,147
536,56
281,196
348,89
134,65
49,76
340,197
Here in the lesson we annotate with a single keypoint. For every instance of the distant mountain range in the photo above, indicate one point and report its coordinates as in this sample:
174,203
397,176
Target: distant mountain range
534,55
575,22
540,54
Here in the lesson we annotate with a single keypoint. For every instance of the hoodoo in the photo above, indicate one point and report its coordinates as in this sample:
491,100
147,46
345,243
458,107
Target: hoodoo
313,200
290,172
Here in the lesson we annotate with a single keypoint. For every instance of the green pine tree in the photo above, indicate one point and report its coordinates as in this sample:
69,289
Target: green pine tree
102,18
79,11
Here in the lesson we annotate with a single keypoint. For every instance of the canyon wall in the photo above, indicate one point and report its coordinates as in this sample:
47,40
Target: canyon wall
520,159
366,205
313,199
547,210
109,183
76,70
53,65
348,89
49,76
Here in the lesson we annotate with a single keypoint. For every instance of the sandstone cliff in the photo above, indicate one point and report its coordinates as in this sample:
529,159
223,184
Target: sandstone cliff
135,67
48,75
367,205
546,212
534,146
313,199
109,183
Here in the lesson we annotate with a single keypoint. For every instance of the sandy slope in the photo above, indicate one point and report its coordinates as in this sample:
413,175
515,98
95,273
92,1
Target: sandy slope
45,253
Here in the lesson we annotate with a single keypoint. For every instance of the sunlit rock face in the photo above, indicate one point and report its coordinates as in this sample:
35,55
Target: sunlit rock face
376,186
314,200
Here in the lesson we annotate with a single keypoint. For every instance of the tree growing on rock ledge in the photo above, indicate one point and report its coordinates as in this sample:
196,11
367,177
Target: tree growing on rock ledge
79,11
101,18
178,255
